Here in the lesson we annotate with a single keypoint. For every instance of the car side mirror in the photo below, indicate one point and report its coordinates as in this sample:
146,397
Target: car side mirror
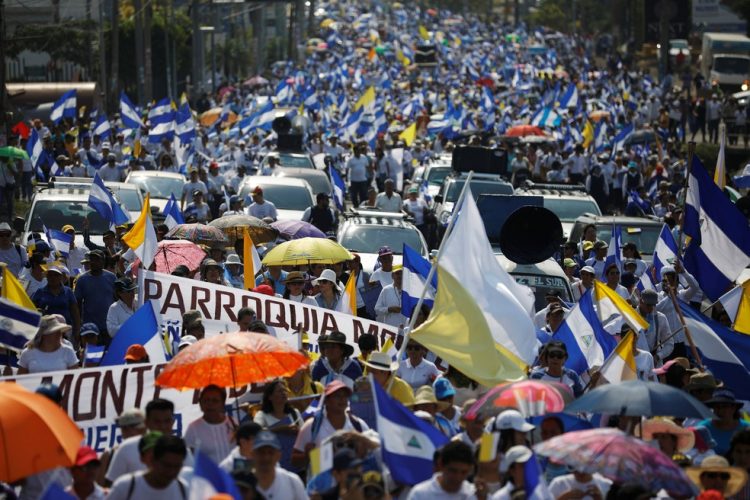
438,198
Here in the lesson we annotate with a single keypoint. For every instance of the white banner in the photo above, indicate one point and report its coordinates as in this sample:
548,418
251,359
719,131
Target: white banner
218,305
94,397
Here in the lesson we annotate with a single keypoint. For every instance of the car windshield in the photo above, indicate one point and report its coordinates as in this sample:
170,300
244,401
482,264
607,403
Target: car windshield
644,237
478,187
159,187
541,284
368,239
285,197
568,210
732,65
295,160
57,213
436,175
129,199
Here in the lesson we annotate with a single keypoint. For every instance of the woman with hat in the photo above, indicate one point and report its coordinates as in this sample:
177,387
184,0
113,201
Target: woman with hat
295,286
123,308
715,473
233,271
335,362
34,277
425,400
670,437
383,370
212,272
727,421
330,292
47,352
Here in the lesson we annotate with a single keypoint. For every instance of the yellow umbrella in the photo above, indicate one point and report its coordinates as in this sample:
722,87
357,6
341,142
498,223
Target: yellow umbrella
307,251
326,23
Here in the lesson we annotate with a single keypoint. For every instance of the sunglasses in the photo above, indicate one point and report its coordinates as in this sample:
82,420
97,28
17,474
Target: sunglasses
724,476
556,355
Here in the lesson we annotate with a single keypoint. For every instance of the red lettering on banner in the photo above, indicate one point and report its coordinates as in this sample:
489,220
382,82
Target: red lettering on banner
277,317
173,299
253,303
147,287
110,391
90,413
198,300
227,308
329,324
138,371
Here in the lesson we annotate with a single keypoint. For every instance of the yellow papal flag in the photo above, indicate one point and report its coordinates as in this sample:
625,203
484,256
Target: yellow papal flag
348,301
409,134
588,134
366,99
424,33
251,260
14,291
620,365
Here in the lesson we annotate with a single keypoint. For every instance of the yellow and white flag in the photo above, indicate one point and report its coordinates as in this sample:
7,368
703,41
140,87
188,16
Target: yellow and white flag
348,301
620,365
610,305
142,237
13,290
250,259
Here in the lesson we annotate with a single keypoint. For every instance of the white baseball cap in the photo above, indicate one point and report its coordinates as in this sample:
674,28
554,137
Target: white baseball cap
518,454
509,419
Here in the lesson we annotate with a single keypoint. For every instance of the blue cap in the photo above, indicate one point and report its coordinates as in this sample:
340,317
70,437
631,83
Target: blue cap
41,246
51,392
266,438
345,459
89,328
443,388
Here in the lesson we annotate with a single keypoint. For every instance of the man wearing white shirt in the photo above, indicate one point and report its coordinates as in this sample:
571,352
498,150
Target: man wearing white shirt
577,166
111,172
388,306
389,200
260,207
190,187
274,482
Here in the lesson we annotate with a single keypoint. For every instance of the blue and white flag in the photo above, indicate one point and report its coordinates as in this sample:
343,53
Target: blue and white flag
64,107
209,479
161,120
646,282
665,251
141,328
600,136
618,142
545,117
722,350
339,188
742,181
184,124
94,354
128,114
614,252
570,98
587,342
18,325
415,272
643,205
408,443
284,92
103,201
265,119
172,213
34,148
720,245
102,130
534,483
58,240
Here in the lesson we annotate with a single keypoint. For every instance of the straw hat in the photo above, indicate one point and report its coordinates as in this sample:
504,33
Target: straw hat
717,463
685,437
53,323
426,395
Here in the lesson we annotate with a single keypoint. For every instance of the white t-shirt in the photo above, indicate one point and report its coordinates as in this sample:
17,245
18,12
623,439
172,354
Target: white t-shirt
285,486
215,440
189,187
357,168
127,460
417,376
141,489
304,435
431,490
416,207
563,484
392,204
37,361
261,210
384,277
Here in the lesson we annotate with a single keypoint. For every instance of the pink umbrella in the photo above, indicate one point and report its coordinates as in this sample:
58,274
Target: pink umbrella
530,397
172,253
618,456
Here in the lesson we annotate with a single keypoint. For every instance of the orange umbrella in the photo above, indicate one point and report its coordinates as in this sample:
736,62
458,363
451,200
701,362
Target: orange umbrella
598,115
524,130
209,117
35,434
231,360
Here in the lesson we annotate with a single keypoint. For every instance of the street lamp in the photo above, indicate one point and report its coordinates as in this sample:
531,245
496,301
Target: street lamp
212,30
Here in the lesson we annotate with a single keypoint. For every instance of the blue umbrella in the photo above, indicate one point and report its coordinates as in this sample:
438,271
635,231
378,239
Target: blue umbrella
639,398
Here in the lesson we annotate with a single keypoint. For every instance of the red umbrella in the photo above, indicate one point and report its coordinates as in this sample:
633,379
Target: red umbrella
524,130
172,253
530,397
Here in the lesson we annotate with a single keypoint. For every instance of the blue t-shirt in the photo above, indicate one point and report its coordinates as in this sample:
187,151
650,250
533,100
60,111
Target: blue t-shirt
723,438
96,294
323,373
49,303
279,285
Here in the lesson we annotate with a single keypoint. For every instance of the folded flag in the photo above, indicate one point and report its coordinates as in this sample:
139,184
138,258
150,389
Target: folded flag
128,114
141,328
339,188
173,216
94,354
18,324
722,350
14,291
587,342
620,365
665,251
103,201
408,443
58,240
415,272
142,237
209,480
719,249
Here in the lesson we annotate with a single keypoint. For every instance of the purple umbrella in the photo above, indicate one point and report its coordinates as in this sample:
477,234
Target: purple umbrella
296,229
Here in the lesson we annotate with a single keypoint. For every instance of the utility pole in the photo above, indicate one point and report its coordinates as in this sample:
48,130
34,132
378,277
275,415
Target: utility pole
115,71
90,40
166,50
4,112
139,59
196,79
102,58
148,88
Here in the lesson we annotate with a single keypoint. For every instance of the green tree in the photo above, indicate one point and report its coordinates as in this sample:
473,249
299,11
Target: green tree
741,8
67,41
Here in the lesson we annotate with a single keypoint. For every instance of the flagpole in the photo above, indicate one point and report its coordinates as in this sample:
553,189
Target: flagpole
685,187
433,269
687,331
